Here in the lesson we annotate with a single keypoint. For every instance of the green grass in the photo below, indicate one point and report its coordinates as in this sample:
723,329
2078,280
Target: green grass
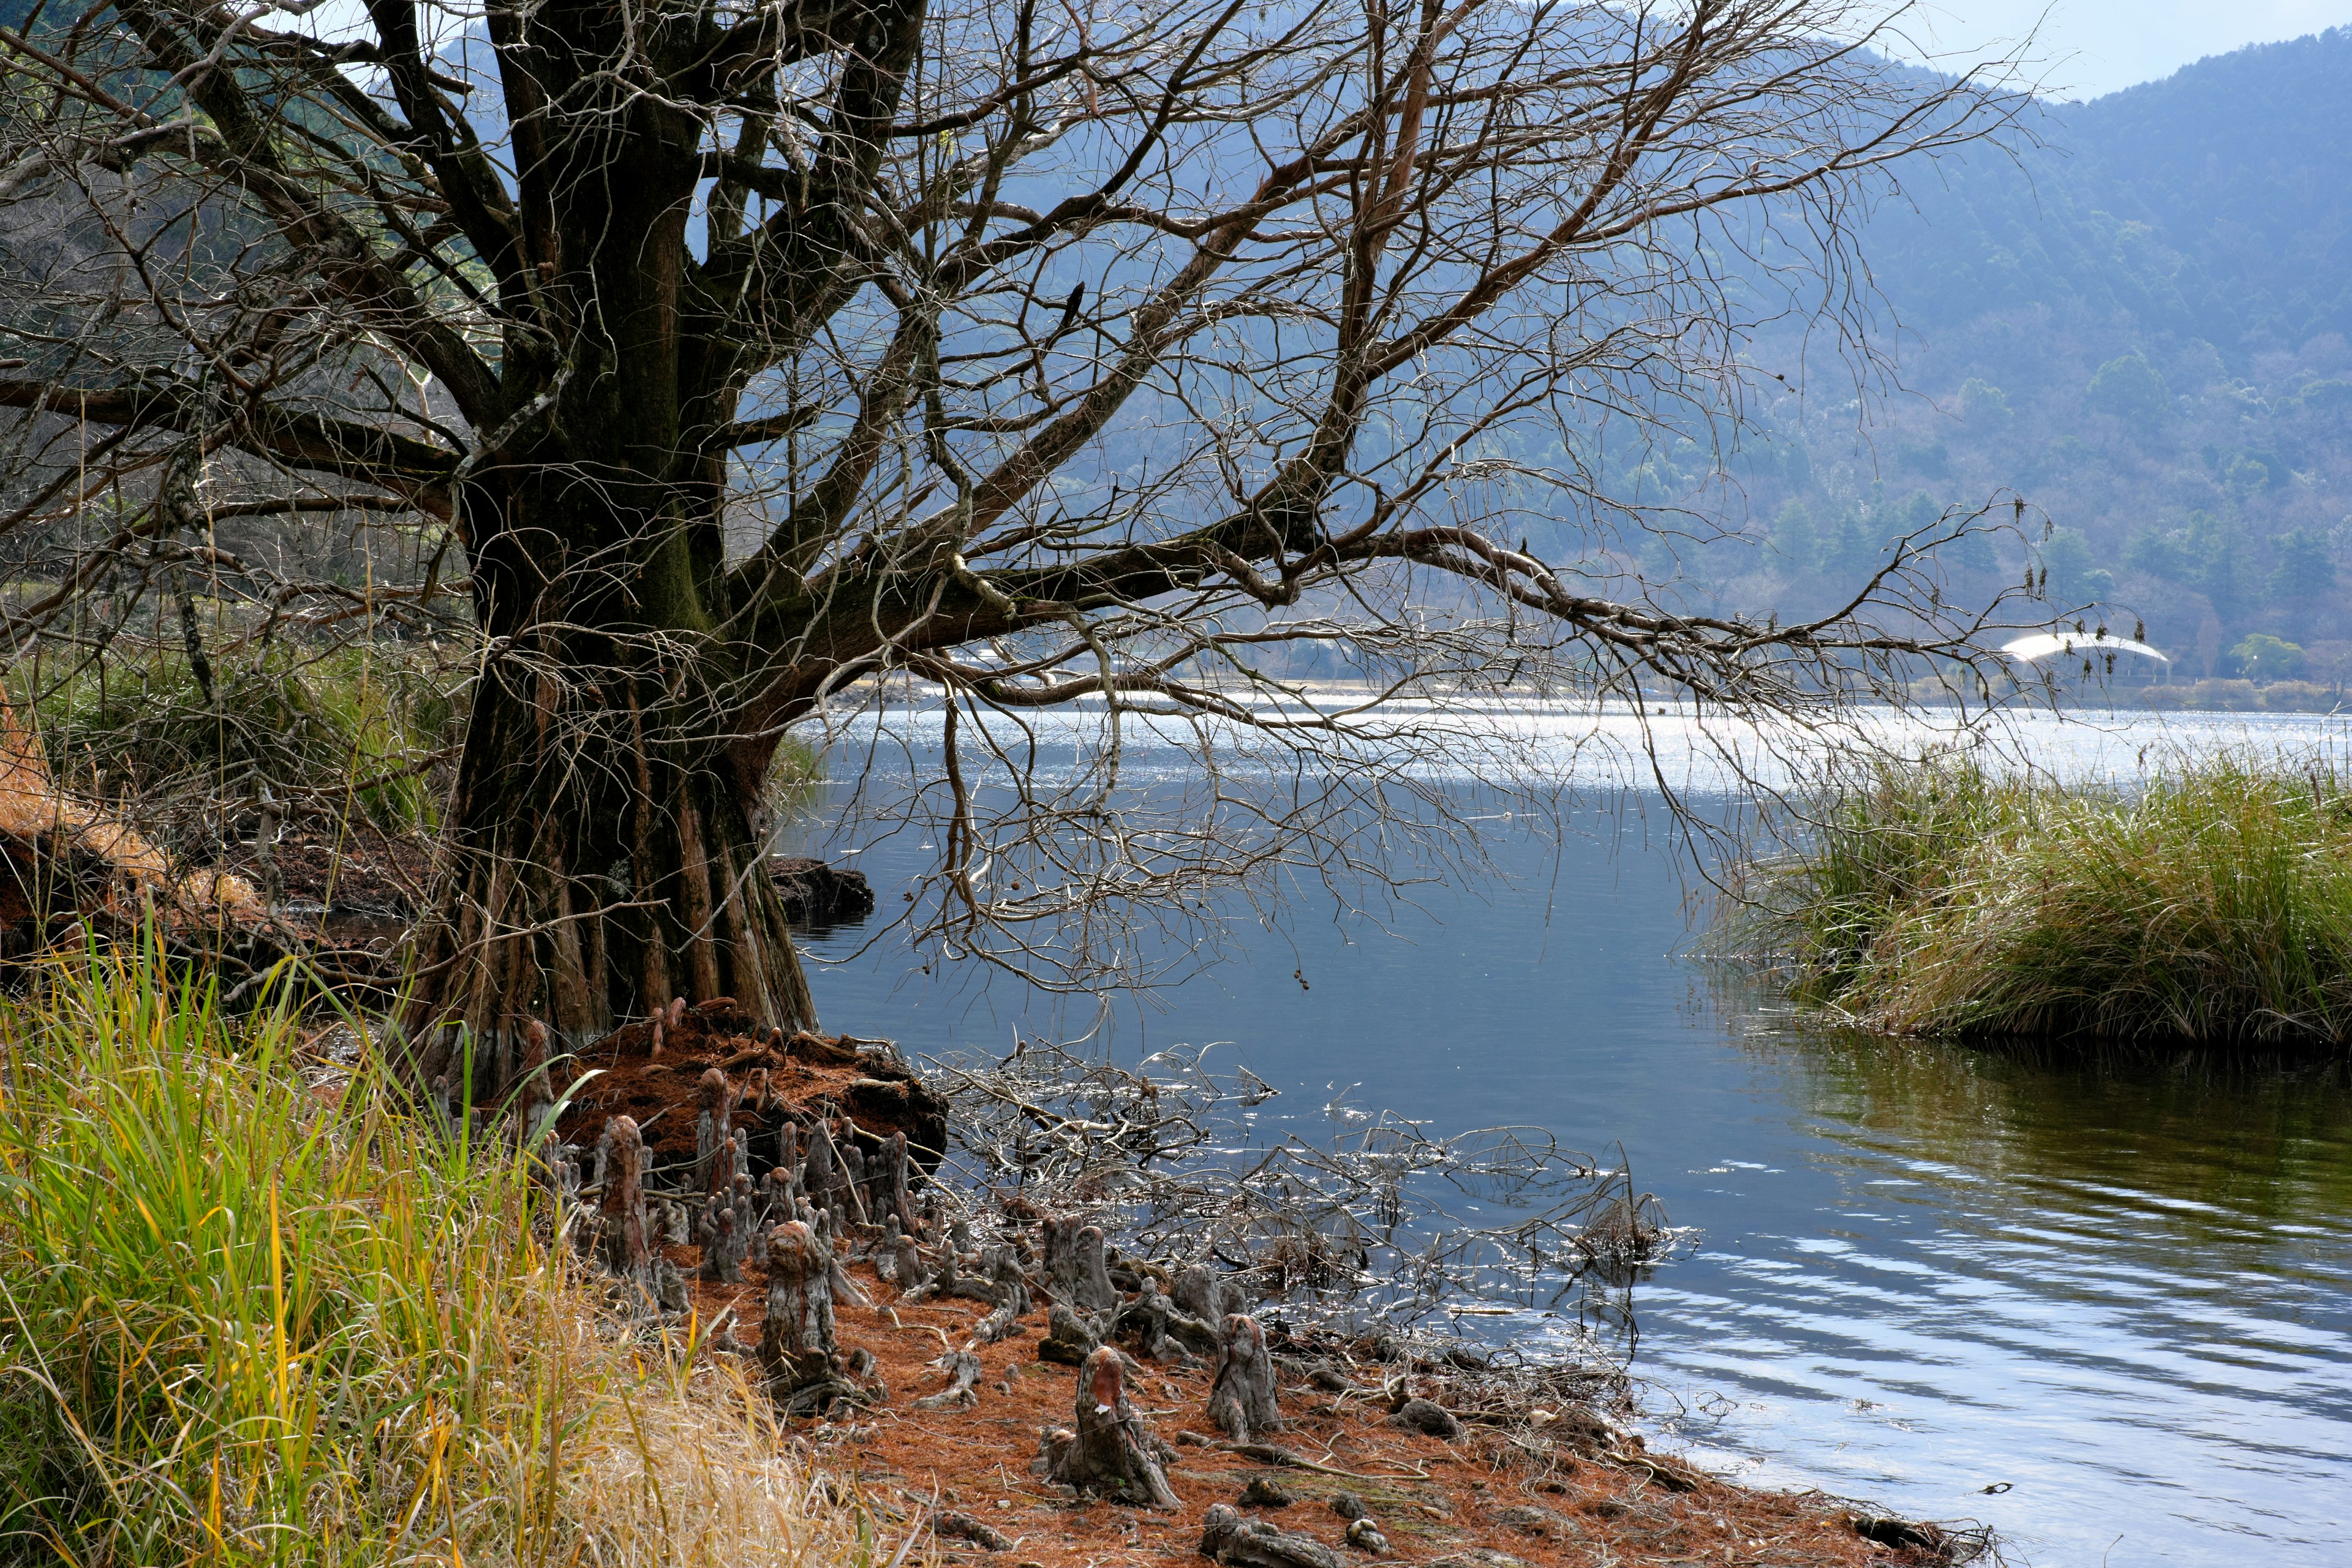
251,1311
2212,904
350,726
350,721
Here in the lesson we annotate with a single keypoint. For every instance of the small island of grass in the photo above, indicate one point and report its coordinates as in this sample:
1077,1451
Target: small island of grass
2210,903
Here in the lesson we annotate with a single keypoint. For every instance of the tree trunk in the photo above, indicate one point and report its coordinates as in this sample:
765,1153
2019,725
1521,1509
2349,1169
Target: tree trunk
602,855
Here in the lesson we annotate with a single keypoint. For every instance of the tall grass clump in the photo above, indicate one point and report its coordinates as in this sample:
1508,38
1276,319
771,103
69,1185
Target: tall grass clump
2210,902
252,1312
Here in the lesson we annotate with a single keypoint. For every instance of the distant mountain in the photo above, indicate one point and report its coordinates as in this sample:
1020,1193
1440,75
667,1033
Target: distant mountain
2144,324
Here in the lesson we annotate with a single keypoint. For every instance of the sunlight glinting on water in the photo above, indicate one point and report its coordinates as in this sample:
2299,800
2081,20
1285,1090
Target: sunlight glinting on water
1615,747
2119,1293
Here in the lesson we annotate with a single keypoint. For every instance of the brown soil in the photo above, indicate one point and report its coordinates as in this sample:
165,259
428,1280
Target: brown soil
1514,1492
866,1093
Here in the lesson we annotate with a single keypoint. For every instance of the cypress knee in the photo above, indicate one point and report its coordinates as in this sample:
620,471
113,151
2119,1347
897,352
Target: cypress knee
1075,1272
797,1346
1112,1453
624,1238
532,1099
1096,1292
853,1185
1203,1296
889,1196
1242,1398
720,1243
908,1266
712,1127
822,1169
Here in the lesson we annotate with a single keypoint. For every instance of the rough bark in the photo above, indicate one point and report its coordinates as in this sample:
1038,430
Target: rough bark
594,868
1242,1398
623,1233
1111,1453
797,1345
1076,1271
1228,1536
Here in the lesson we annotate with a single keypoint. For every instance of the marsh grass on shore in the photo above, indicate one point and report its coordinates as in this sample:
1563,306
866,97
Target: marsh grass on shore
2210,902
251,1311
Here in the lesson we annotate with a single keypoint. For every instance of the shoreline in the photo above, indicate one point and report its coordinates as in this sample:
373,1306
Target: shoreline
944,1402
1565,1486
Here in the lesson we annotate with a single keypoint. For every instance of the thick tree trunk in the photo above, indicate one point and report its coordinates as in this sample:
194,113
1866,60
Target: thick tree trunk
602,859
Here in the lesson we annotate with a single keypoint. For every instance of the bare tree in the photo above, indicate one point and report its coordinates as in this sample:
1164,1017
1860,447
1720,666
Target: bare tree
733,357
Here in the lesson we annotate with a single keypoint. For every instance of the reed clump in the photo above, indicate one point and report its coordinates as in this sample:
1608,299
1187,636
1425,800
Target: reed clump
253,1311
2210,902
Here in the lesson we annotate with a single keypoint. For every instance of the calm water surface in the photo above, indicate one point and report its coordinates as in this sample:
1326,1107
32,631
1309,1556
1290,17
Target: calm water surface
2122,1290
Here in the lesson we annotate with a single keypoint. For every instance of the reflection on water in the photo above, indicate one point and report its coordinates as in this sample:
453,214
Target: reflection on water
2118,1288
2122,1289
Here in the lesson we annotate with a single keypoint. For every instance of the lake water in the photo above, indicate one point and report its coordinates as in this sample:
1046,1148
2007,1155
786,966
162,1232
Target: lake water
2121,1292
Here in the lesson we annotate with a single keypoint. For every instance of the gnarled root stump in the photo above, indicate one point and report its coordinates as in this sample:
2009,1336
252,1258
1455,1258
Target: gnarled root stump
1200,1294
1242,1398
1112,1453
1069,1339
1162,1332
797,1346
1076,1271
624,1235
940,1281
1227,1537
962,1392
1011,1291
949,1525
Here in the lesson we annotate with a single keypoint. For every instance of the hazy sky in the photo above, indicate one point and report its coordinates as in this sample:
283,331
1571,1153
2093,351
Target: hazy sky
2084,47
2090,46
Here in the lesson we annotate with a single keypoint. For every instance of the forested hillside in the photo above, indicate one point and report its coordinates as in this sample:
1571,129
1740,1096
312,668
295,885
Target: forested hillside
2141,325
